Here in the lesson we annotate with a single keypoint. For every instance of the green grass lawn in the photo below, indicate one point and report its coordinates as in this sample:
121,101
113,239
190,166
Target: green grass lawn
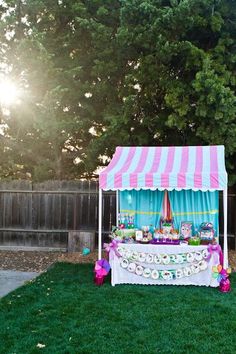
63,310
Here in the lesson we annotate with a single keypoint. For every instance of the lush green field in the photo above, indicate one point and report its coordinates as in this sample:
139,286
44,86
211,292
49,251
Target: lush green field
66,312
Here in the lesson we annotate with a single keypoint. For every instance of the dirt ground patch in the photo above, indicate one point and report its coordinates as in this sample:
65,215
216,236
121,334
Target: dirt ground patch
28,261
37,261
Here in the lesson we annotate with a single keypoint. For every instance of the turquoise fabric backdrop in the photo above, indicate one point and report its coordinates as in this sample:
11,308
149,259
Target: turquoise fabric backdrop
187,205
145,205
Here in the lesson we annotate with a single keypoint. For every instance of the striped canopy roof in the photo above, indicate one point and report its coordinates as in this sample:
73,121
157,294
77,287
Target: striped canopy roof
188,167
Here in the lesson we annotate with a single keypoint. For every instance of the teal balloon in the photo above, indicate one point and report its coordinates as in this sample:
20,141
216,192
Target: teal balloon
85,251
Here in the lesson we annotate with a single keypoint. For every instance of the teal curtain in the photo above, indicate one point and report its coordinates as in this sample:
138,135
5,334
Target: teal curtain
145,205
187,205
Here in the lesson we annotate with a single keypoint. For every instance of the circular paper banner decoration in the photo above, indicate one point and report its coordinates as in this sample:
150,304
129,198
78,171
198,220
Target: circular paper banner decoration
163,258
165,274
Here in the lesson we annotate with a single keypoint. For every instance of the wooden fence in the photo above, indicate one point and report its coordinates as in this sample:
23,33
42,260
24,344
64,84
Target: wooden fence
41,214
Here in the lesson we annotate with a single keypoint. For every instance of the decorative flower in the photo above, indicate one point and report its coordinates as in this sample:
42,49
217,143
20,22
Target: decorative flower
219,273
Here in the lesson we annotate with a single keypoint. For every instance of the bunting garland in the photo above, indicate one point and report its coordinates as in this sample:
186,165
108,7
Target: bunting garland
164,258
165,274
132,261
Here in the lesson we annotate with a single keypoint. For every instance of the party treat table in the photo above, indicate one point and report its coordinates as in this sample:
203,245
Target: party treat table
163,264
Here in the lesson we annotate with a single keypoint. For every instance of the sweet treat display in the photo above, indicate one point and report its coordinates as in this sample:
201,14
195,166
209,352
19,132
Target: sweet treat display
194,241
186,230
165,235
206,233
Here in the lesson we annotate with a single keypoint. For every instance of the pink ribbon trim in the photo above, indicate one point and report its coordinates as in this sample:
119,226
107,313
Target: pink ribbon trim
213,250
111,248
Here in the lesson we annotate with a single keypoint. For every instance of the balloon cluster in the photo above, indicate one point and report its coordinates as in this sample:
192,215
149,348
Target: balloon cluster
222,275
101,269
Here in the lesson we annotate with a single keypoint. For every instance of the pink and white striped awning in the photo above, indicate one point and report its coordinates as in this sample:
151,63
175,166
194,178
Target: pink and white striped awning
187,167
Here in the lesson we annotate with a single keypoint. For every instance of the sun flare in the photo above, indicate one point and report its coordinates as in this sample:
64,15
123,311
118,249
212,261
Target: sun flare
8,92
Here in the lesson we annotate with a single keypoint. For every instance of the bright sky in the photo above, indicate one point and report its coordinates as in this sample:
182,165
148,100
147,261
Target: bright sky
8,92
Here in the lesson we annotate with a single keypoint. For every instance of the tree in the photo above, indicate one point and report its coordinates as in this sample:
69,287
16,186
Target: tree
98,74
181,84
58,51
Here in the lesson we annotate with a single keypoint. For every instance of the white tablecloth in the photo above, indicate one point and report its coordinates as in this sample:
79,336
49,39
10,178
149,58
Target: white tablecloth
120,275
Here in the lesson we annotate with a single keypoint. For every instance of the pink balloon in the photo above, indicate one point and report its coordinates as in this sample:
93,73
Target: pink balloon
225,285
